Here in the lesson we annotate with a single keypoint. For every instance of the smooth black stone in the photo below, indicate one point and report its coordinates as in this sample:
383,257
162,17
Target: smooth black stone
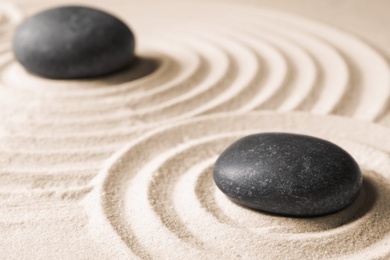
73,42
288,174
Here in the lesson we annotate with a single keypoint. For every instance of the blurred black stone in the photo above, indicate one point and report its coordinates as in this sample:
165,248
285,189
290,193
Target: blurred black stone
288,174
73,42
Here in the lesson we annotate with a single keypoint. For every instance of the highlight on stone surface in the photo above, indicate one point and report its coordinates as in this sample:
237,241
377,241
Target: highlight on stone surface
73,42
288,174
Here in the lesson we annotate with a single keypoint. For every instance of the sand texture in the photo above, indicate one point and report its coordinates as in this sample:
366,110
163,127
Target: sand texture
158,196
120,166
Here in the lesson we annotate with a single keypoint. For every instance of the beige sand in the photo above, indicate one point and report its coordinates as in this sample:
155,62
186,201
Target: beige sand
196,59
157,195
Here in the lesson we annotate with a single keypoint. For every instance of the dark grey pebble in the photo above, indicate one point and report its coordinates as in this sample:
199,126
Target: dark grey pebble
288,174
73,42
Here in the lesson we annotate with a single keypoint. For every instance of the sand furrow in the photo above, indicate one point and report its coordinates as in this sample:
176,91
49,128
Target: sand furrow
159,192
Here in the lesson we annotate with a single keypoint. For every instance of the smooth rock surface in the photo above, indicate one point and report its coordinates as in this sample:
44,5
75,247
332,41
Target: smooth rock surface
288,174
73,42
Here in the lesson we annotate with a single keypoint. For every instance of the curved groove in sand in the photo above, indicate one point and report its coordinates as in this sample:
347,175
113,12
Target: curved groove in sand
158,196
199,65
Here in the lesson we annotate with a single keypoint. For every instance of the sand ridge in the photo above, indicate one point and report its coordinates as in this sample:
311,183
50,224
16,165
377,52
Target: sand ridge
246,60
252,60
56,135
158,196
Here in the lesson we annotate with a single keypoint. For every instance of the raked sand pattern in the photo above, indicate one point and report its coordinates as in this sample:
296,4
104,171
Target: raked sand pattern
56,135
158,197
190,65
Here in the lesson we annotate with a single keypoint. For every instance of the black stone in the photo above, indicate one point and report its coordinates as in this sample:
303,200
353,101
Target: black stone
73,42
288,174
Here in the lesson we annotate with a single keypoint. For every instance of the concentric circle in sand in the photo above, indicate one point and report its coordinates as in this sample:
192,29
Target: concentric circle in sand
157,195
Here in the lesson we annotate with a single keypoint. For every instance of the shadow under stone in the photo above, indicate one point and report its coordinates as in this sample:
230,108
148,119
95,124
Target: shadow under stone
139,68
